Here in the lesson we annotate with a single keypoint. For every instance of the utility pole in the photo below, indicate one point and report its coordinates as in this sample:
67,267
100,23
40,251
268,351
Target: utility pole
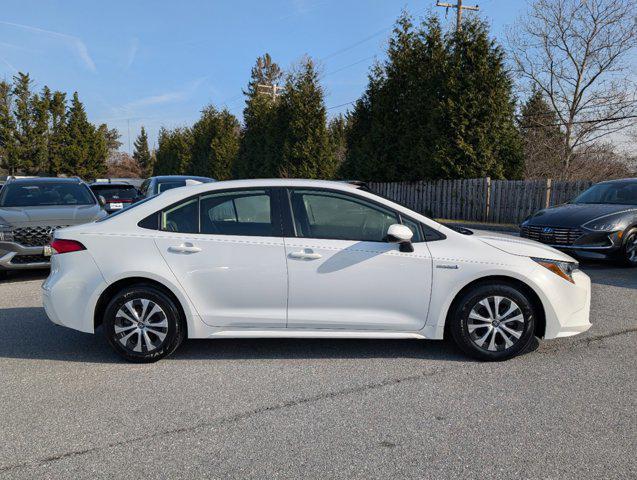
459,8
273,90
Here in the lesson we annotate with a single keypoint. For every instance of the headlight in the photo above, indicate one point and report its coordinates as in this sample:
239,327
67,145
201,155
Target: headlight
608,223
561,269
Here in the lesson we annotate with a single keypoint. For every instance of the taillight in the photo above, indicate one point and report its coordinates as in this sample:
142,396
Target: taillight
66,246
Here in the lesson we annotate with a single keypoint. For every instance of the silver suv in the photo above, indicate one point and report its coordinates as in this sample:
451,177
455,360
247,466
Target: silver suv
31,209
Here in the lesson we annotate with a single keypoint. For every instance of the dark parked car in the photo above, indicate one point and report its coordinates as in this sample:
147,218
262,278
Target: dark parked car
601,223
31,209
155,185
117,195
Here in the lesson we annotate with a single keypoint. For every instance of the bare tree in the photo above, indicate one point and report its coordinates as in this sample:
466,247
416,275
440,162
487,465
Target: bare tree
576,52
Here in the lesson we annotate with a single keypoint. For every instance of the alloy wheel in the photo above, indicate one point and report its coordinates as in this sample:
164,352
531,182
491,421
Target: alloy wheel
141,325
495,323
631,248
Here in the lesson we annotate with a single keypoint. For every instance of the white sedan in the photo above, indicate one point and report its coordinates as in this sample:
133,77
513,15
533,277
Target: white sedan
305,259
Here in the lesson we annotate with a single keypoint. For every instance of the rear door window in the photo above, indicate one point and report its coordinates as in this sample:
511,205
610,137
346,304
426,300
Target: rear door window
181,218
238,213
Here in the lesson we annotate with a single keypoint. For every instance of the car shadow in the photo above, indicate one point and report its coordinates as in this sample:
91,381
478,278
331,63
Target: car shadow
16,276
605,273
28,334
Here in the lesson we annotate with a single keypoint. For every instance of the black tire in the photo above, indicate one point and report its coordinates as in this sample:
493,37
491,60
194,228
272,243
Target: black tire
460,322
163,340
626,255
3,274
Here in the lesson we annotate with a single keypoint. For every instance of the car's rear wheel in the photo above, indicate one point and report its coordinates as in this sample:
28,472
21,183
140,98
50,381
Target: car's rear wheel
493,322
143,324
629,248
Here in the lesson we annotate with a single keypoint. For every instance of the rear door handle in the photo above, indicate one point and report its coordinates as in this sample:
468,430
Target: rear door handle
184,248
306,254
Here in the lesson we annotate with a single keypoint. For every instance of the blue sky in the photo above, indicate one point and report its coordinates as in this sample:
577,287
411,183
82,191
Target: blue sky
159,62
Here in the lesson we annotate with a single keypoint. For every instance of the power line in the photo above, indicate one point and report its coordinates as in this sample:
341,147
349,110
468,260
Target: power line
356,44
582,122
341,105
364,40
350,65
338,52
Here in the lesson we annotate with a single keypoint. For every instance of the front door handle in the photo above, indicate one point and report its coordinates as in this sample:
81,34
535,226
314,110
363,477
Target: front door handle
305,254
184,248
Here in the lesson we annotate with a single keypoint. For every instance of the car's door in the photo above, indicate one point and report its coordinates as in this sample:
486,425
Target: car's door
226,250
342,272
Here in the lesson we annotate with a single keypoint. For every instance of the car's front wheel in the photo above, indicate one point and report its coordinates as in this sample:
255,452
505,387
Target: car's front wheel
629,248
143,324
493,321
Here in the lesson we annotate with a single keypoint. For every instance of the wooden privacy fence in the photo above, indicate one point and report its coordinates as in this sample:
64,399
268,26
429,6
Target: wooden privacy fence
480,199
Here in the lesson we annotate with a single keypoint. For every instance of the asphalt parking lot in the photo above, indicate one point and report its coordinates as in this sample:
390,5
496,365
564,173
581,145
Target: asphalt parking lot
69,408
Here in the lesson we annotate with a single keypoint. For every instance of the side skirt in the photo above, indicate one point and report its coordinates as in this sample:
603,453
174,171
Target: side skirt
300,333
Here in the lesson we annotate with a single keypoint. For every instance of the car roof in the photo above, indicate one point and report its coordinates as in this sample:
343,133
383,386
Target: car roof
110,185
620,180
45,180
260,183
167,178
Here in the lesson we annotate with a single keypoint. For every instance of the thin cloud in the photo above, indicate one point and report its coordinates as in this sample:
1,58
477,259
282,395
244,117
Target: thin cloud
15,70
158,99
302,7
132,52
161,99
72,41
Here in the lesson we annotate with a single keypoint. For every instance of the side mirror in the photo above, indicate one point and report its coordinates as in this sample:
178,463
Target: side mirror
101,200
402,235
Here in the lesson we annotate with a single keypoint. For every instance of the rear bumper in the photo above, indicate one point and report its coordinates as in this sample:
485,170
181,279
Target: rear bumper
14,256
70,293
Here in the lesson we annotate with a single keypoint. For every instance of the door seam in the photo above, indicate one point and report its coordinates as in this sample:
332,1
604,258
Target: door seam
287,275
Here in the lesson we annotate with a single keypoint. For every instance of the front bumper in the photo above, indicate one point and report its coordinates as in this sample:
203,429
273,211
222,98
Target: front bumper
567,305
588,243
14,256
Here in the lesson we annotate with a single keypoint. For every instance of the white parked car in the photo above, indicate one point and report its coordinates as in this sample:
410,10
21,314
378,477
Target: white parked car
305,259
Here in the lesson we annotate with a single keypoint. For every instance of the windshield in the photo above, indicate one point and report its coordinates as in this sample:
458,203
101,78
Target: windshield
115,192
163,186
40,194
612,193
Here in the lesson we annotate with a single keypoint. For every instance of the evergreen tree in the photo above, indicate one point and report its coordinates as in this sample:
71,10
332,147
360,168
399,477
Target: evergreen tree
9,158
98,153
39,136
542,138
215,144
25,140
40,106
478,109
174,152
112,137
259,150
302,123
337,131
141,153
395,125
441,106
58,138
86,150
